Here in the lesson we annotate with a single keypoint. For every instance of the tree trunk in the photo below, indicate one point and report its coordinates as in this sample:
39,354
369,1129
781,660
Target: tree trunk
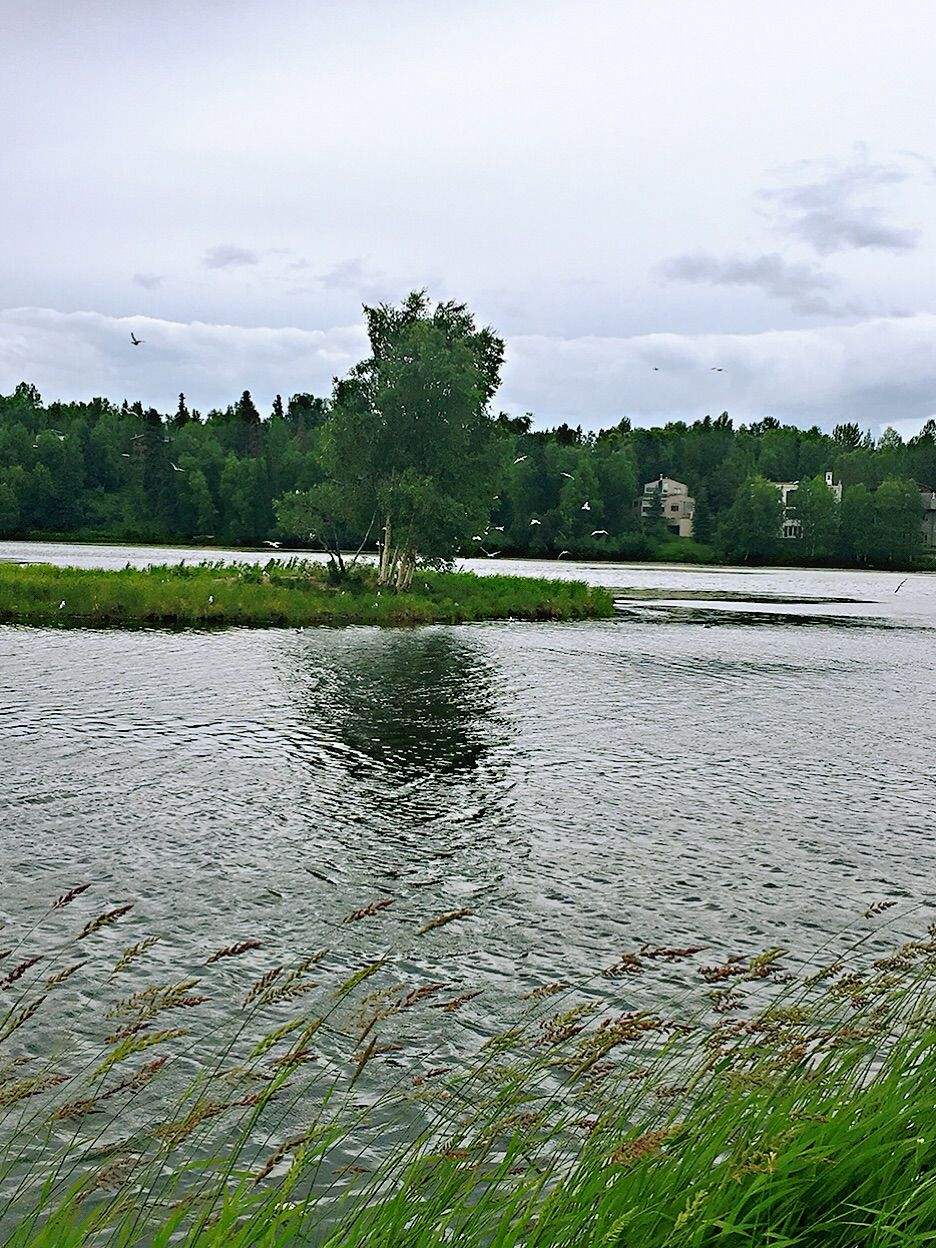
385,567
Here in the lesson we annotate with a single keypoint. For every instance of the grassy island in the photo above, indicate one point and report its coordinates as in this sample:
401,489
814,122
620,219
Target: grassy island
293,593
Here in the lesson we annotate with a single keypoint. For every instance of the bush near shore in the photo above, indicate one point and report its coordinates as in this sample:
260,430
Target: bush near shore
281,593
787,1107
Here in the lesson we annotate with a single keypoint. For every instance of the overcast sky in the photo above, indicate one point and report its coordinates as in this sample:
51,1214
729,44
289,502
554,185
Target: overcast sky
632,192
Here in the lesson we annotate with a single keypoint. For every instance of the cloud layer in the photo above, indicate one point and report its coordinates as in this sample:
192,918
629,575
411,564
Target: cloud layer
802,285
875,371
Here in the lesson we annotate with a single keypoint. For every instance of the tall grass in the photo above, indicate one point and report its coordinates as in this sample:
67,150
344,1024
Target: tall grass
778,1109
291,593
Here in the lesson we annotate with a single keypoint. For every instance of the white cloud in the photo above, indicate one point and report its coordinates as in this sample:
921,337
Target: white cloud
227,256
801,284
877,372
81,354
828,206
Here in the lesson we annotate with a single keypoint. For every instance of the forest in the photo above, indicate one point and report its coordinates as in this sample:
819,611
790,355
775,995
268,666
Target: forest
100,470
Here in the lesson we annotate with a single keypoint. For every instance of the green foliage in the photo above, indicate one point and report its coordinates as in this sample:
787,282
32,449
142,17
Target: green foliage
750,532
290,592
410,443
409,436
739,1101
816,508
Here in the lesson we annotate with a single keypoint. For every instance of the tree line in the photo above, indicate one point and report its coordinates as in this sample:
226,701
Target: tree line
407,456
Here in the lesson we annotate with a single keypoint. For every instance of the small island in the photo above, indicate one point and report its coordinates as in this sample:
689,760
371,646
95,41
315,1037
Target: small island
294,593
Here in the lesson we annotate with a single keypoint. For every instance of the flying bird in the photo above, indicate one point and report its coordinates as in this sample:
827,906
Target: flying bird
561,553
210,599
567,474
586,506
175,467
498,528
536,522
491,554
716,369
903,582
518,460
275,545
654,369
124,454
137,342
62,605
599,532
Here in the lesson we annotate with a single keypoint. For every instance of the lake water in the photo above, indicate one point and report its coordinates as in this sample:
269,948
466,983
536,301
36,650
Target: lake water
733,774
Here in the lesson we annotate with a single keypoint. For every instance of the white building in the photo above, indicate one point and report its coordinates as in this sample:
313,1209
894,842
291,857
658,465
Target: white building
790,526
677,504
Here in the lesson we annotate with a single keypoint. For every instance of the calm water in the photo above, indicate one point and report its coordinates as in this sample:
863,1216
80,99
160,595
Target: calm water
734,774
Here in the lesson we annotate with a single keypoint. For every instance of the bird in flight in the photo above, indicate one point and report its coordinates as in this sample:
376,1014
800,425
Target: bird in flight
275,545
62,605
903,582
655,369
518,460
137,342
498,528
599,532
491,554
175,467
561,553
124,454
536,522
716,369
567,474
586,506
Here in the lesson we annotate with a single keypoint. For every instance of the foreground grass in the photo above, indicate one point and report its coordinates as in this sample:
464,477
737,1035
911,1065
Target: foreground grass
292,593
783,1110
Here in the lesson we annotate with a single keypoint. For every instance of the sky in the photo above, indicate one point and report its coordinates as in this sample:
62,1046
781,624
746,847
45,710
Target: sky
635,194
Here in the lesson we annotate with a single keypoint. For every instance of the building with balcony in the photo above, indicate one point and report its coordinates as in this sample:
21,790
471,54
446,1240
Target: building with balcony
790,526
678,506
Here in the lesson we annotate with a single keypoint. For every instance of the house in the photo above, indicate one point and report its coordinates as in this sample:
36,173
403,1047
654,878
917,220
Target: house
677,503
790,526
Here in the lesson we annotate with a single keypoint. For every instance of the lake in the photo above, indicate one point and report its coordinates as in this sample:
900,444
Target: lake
733,773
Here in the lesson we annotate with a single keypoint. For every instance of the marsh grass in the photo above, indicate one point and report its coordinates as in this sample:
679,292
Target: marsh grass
801,1112
281,593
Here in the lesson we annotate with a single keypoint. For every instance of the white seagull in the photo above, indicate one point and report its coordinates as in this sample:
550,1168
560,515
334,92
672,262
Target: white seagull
175,467
599,532
275,545
518,460
561,553
536,522
586,506
62,605
567,474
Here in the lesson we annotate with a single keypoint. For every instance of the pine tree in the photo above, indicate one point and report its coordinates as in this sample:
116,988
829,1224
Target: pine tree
183,415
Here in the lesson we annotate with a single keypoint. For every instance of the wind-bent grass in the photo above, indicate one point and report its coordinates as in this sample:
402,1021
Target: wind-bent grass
292,593
785,1110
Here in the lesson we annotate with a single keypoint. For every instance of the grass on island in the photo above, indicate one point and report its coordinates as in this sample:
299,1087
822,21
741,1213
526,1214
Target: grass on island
279,593
778,1108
